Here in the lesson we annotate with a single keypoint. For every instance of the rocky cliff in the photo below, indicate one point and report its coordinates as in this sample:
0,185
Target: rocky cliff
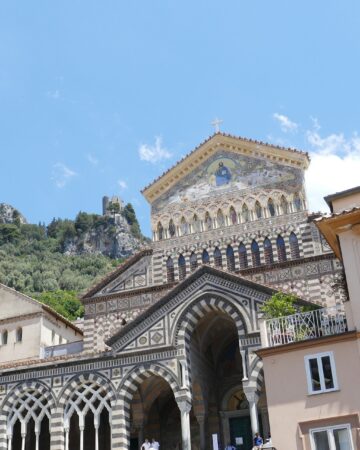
8,214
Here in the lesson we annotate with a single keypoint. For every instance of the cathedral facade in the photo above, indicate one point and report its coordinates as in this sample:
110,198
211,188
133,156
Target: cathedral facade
170,336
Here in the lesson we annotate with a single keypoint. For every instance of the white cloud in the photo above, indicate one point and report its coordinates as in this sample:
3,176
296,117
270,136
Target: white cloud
154,153
286,124
92,159
62,174
335,166
122,184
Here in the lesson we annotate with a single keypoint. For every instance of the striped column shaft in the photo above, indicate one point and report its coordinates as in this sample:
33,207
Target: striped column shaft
120,425
57,438
3,436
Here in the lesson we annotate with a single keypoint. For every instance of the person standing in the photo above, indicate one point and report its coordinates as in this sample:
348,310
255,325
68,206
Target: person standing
154,445
145,445
258,442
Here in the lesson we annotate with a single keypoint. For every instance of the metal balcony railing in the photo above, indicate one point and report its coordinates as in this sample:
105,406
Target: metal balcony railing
305,326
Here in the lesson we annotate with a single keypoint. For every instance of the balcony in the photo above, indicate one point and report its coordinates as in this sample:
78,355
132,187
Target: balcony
305,326
63,349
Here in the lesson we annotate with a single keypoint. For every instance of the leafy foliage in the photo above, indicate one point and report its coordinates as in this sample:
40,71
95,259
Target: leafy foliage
279,305
64,302
130,216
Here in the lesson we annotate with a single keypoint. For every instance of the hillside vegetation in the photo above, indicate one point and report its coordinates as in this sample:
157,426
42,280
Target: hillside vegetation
33,259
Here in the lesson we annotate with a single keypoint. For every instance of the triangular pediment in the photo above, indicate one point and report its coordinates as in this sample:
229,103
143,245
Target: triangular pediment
154,329
222,146
134,273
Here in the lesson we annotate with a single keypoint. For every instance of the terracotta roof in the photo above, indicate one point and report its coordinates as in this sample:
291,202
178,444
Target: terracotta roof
115,273
333,215
183,284
230,136
44,307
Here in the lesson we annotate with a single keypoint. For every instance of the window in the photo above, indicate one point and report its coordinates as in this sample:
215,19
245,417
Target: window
53,336
160,231
230,258
268,252
193,262
255,253
294,246
220,219
297,202
271,207
332,438
258,210
172,228
182,267
205,257
233,216
217,258
4,337
170,270
19,335
245,213
196,224
243,256
281,249
184,227
321,373
284,205
208,222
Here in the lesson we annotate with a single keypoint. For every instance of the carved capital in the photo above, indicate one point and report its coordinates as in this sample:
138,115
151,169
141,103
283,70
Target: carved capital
184,406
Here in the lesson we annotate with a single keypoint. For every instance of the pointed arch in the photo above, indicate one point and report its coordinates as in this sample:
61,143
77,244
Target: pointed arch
230,258
281,249
245,213
271,207
258,209
243,256
205,257
184,227
233,216
268,251
182,267
170,273
284,205
208,221
196,224
172,229
220,218
255,254
297,202
217,257
294,246
160,231
193,261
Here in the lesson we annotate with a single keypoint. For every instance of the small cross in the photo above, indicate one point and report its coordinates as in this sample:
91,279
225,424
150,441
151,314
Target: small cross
216,124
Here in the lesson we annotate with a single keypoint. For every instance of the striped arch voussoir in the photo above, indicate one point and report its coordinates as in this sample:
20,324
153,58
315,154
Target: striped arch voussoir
197,310
19,390
134,378
256,375
79,380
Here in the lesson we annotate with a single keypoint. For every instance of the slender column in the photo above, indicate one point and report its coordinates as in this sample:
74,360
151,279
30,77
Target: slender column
253,398
9,447
202,428
37,436
57,441
243,360
66,438
23,437
185,408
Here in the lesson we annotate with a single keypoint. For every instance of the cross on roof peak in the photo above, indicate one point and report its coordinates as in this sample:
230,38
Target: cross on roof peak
216,124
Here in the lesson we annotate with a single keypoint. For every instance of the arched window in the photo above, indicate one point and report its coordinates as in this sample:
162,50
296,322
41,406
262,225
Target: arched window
217,257
19,334
184,227
172,230
230,258
245,213
160,231
268,252
243,256
255,254
271,207
4,337
284,205
182,267
220,219
170,270
193,261
196,224
281,249
205,257
258,210
233,216
294,246
208,222
297,202
53,335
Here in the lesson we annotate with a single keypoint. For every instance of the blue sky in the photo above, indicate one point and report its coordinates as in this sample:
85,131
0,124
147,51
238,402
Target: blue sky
89,91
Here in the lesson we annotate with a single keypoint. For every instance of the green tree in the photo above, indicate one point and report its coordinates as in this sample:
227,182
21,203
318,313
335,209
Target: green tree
65,303
279,305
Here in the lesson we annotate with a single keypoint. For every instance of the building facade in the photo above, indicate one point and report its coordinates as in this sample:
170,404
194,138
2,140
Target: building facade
170,337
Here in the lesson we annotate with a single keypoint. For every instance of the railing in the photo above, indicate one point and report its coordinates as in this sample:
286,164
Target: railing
305,326
63,349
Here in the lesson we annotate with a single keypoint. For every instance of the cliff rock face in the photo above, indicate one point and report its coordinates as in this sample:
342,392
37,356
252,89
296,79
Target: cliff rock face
112,238
9,214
